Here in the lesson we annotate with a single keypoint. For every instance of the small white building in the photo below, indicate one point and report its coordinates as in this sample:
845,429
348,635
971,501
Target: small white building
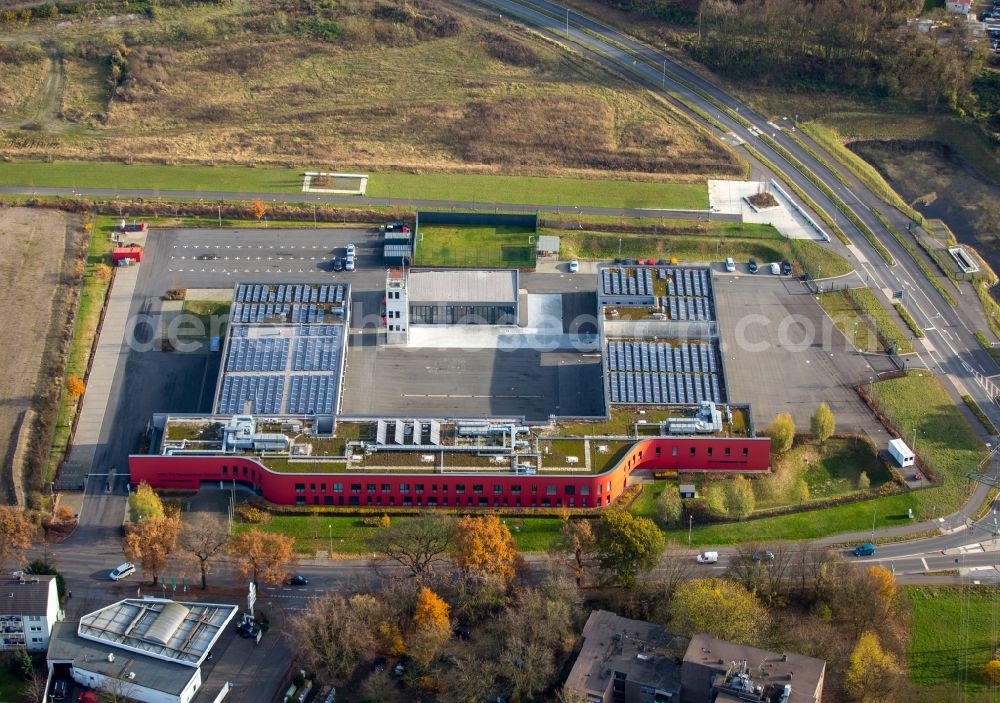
148,649
29,608
902,454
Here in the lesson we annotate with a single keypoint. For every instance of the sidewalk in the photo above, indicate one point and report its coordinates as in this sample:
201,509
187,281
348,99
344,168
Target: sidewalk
111,352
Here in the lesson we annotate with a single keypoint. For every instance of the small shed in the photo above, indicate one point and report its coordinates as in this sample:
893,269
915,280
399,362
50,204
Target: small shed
688,491
548,245
132,252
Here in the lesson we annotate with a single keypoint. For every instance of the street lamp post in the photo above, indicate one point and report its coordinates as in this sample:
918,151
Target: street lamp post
874,513
914,440
330,529
690,526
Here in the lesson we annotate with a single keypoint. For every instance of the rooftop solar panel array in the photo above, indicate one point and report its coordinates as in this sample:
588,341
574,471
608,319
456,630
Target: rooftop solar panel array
688,291
312,394
296,304
316,353
659,373
292,364
257,355
263,392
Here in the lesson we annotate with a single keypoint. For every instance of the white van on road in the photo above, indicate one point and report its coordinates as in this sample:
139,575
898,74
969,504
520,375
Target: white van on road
708,557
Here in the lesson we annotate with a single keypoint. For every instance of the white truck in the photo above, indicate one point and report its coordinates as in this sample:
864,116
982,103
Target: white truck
901,453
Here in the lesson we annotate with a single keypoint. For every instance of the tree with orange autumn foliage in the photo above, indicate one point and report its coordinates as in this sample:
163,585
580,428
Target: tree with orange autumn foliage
75,386
484,546
16,532
259,209
431,627
261,555
150,542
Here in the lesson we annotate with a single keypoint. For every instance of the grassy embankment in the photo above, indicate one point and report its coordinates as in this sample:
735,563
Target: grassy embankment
96,281
858,314
472,188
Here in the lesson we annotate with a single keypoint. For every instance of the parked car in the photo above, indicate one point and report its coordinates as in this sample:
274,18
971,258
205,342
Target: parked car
379,664
752,265
574,266
298,580
864,550
462,632
350,250
349,263
58,692
786,267
708,557
399,670
87,697
730,264
120,572
775,269
248,627
338,264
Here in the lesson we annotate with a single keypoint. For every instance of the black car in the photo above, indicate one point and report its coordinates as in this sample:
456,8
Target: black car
338,264
379,664
462,632
786,267
298,580
752,265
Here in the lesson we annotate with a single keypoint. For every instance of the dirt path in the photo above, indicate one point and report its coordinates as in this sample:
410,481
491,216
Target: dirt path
32,246
42,110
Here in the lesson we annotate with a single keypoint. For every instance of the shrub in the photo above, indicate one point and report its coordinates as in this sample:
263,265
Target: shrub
991,671
252,514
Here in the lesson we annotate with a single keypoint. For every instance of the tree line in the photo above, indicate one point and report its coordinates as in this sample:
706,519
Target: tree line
862,45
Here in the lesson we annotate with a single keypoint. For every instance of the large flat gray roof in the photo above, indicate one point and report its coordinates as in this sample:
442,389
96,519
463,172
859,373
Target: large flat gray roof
66,646
463,286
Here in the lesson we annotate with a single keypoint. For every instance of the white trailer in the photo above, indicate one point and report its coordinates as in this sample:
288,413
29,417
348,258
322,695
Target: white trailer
901,453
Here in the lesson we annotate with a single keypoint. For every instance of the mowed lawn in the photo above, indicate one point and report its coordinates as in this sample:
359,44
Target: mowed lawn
954,632
475,245
481,190
945,440
349,535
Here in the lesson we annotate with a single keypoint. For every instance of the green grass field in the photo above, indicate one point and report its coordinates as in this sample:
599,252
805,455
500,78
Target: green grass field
944,438
348,535
475,246
954,632
480,189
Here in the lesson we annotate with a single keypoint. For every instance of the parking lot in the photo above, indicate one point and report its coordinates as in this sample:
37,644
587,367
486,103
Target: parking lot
783,354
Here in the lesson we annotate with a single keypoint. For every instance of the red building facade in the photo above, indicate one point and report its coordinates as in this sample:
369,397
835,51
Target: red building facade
469,490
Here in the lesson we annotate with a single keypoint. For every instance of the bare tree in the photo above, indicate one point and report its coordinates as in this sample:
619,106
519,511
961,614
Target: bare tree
333,633
417,545
201,540
33,690
471,681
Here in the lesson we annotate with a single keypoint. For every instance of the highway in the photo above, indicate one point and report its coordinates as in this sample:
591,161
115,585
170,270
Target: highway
949,346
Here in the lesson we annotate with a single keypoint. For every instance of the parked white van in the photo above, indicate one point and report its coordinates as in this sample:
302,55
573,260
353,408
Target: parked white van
730,264
120,572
